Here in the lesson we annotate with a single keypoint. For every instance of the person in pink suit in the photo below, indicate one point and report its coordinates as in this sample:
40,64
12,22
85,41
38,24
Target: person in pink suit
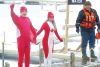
27,35
50,30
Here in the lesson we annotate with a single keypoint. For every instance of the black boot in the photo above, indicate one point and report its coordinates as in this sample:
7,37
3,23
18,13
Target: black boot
85,58
93,57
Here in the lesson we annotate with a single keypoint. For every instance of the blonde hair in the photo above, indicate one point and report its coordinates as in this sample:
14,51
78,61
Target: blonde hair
53,23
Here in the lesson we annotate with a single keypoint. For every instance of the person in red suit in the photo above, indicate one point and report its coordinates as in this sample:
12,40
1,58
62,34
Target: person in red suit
27,35
50,30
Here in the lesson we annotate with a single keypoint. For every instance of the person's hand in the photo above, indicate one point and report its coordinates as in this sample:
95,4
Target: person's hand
12,6
77,27
98,29
61,40
35,29
77,30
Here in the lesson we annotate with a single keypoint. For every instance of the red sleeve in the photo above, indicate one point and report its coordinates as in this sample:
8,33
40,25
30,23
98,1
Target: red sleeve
56,33
15,18
41,29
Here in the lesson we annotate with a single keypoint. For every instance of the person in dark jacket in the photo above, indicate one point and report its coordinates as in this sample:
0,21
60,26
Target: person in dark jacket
85,23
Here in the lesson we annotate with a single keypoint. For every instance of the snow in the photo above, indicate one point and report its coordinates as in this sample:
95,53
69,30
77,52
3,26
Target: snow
38,14
15,64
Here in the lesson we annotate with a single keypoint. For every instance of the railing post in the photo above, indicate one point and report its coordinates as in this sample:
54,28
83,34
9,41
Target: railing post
7,64
3,50
72,60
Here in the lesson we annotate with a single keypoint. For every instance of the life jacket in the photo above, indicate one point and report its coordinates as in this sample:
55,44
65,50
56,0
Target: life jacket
90,19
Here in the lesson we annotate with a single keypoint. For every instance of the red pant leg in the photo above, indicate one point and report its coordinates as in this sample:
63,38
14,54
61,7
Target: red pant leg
27,54
21,52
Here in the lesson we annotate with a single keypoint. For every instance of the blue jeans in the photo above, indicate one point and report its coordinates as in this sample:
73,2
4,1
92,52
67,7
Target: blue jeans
88,35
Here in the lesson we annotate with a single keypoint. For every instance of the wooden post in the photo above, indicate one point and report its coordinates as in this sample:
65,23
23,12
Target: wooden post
65,49
72,60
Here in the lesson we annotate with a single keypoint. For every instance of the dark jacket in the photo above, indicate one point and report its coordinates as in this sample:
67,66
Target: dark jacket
81,16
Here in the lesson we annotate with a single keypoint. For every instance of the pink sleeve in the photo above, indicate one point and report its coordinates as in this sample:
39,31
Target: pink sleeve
15,18
56,33
33,30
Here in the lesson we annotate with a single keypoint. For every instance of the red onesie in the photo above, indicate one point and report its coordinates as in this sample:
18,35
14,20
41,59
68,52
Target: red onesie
46,29
26,31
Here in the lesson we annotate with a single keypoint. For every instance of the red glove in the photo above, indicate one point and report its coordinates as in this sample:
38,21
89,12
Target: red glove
12,6
61,40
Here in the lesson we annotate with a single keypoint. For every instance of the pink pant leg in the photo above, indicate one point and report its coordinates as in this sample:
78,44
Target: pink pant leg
21,52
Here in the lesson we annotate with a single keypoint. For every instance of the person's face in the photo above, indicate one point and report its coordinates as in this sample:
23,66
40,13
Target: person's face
88,7
51,19
24,13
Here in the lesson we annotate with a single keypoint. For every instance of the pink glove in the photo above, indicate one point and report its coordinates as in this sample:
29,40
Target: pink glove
12,6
